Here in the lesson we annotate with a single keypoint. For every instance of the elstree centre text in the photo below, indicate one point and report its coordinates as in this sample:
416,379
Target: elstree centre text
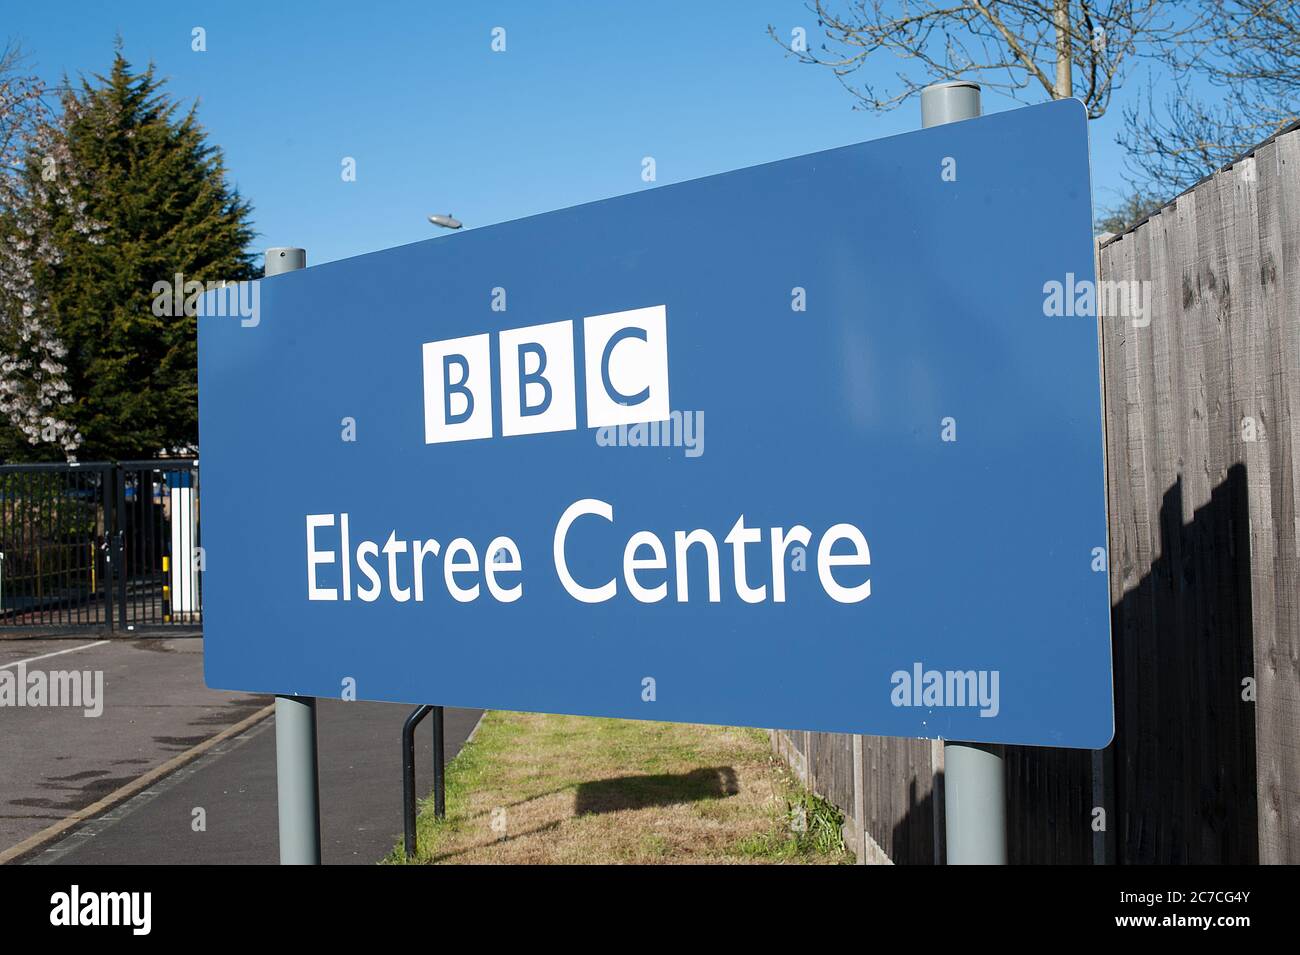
758,573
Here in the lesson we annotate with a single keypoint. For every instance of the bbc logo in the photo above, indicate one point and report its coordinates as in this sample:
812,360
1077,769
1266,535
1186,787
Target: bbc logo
626,373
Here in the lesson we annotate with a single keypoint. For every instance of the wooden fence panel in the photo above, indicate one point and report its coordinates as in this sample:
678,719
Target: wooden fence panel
1277,671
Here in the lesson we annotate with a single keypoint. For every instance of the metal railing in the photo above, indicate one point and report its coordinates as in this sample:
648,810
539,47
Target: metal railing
110,546
408,772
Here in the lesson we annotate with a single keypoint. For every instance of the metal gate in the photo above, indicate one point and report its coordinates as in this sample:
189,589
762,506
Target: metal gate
100,546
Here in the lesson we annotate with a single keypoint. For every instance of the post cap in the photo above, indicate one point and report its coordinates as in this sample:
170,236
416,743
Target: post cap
949,102
284,258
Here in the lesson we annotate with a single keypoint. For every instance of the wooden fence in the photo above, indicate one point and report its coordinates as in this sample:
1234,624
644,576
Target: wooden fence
1202,408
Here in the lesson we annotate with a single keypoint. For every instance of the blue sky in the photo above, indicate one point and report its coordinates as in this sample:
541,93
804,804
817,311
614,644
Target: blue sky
438,122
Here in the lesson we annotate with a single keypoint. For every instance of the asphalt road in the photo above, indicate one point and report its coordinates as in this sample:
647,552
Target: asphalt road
155,706
57,760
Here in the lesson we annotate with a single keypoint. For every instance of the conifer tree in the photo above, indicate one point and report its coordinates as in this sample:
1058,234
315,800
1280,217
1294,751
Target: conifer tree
158,195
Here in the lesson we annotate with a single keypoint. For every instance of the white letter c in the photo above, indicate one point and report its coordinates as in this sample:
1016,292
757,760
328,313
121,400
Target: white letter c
575,510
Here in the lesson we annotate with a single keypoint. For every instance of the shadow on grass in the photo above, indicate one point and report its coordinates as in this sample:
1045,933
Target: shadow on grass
437,857
664,789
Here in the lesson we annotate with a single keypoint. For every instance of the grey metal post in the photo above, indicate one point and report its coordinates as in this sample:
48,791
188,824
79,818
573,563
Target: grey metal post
284,259
974,778
296,780
949,103
297,774
975,803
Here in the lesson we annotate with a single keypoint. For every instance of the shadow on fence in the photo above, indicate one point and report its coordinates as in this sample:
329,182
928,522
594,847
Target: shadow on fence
1184,755
1179,782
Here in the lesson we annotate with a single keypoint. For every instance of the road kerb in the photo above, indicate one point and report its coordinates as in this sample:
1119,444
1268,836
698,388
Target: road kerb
130,789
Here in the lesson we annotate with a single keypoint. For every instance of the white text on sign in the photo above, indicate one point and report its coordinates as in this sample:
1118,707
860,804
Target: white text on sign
757,576
626,361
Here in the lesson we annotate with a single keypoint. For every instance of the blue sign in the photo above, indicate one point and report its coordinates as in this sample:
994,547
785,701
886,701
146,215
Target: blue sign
813,445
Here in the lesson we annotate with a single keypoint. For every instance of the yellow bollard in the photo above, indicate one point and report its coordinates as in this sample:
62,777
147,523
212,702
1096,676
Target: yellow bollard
167,591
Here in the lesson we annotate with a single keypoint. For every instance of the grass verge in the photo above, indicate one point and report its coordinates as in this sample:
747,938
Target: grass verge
534,788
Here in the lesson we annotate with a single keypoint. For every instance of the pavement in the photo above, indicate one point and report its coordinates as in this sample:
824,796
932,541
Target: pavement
219,807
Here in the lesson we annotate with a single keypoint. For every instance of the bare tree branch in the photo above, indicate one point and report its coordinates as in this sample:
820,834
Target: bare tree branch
1009,45
1248,51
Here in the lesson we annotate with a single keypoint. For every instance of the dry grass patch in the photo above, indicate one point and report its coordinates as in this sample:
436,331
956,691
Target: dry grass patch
534,788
